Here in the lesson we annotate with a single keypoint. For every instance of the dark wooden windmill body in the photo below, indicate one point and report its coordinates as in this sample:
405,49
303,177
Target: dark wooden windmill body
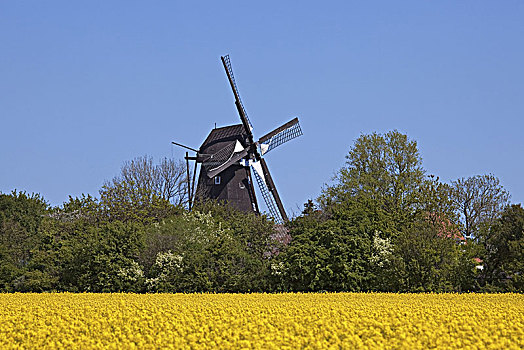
234,184
231,161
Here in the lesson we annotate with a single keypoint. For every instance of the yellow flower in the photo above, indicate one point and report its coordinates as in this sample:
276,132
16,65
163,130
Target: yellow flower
261,321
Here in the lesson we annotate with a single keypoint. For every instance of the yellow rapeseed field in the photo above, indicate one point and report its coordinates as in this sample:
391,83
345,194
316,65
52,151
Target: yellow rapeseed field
262,321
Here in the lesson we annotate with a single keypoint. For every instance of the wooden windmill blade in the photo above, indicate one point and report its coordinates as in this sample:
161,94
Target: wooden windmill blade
269,191
280,135
273,189
238,102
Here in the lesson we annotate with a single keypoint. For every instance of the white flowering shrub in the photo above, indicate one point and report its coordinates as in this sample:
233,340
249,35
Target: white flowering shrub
382,250
166,263
277,268
131,277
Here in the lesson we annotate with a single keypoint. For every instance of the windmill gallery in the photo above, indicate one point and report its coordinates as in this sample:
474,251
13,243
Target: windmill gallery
230,155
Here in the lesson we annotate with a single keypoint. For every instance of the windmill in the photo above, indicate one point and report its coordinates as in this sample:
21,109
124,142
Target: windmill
230,156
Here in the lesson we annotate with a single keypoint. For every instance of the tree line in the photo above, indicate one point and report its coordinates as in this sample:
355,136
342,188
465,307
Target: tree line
383,224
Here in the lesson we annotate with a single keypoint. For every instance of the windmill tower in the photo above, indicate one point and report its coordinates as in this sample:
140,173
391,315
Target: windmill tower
230,158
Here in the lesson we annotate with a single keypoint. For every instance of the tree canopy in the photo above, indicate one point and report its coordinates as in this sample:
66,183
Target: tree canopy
382,224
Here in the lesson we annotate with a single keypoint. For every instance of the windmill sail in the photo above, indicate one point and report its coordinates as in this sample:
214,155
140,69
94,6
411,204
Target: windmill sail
266,194
280,135
229,70
220,157
225,157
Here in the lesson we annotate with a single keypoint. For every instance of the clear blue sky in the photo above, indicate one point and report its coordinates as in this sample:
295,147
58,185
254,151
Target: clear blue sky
84,87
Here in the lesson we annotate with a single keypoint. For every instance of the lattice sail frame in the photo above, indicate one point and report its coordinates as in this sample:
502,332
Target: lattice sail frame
230,70
282,137
222,156
268,197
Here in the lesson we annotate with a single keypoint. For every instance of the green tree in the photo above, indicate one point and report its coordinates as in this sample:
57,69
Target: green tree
119,202
331,253
214,248
166,180
20,217
430,254
383,226
504,251
428,258
80,249
144,191
382,170
98,258
373,198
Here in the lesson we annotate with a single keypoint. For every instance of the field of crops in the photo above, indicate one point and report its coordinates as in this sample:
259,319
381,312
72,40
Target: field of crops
263,321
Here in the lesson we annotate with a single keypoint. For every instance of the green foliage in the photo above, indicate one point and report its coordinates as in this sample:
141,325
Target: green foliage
26,210
207,251
425,260
80,247
381,226
374,197
504,251
77,255
20,218
384,170
122,202
144,191
257,232
334,253
99,255
435,201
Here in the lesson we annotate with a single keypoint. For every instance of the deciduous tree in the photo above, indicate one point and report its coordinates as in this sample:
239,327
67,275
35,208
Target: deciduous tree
480,200
144,190
504,244
382,170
